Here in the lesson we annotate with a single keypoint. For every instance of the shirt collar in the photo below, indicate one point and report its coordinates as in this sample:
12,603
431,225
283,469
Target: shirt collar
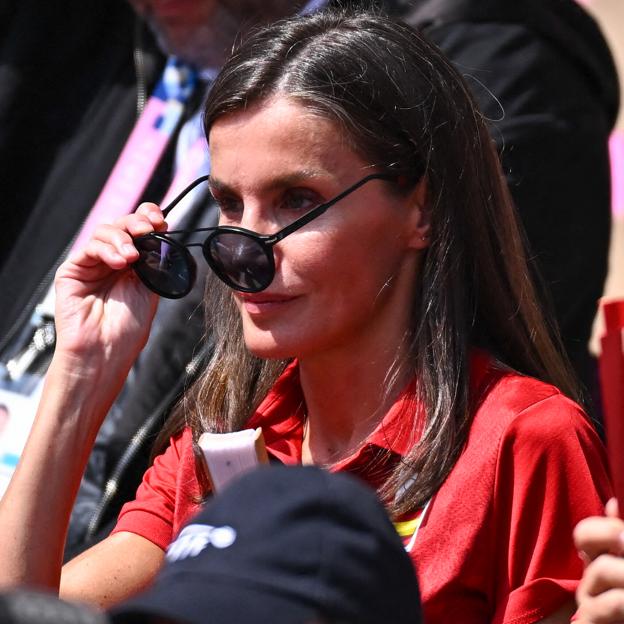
281,415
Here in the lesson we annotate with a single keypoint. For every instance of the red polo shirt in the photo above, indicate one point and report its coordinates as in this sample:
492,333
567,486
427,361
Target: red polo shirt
495,544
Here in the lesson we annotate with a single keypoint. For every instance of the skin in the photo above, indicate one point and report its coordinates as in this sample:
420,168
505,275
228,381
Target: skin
329,304
202,31
103,319
600,541
343,315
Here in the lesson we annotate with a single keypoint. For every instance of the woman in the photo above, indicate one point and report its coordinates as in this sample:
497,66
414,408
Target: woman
390,332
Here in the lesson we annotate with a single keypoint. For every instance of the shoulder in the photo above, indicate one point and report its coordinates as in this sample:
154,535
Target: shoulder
181,440
179,450
509,403
520,421
522,427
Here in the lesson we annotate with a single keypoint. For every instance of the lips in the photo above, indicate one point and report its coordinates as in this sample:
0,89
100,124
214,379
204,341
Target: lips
262,303
264,297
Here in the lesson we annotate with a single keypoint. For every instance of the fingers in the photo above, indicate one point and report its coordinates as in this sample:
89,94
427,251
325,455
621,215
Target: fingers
153,214
604,573
600,542
113,245
612,509
607,608
600,594
596,536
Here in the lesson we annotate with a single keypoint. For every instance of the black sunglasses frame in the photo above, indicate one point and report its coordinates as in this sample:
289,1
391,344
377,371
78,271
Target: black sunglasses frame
264,241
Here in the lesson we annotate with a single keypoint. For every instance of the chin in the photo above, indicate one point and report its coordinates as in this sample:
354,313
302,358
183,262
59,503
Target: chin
270,345
269,350
281,339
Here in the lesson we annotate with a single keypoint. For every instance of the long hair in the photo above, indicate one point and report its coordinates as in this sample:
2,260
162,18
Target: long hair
405,109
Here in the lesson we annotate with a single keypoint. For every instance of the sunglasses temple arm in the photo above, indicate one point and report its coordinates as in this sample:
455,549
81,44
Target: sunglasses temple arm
172,204
319,210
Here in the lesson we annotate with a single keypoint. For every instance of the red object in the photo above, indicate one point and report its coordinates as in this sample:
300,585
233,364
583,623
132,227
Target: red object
611,370
496,543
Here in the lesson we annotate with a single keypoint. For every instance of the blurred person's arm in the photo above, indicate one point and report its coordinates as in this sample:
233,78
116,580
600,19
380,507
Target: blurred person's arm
600,542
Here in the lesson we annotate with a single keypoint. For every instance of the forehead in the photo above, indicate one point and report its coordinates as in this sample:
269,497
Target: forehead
279,135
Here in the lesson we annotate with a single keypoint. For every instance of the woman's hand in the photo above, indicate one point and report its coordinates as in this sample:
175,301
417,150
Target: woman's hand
600,542
103,311
103,317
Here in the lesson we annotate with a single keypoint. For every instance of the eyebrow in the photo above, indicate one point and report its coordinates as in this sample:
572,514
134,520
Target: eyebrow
277,183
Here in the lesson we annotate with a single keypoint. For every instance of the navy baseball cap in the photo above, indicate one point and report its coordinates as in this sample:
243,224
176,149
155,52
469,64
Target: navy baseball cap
284,545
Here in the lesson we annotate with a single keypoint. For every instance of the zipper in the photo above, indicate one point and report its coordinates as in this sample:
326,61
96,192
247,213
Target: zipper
30,306
139,67
41,343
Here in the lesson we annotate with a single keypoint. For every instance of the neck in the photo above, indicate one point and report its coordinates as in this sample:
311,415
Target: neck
347,396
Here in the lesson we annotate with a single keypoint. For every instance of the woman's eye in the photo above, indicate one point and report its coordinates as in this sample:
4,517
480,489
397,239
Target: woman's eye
229,206
301,200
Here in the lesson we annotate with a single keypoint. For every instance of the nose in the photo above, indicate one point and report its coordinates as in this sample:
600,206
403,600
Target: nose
258,219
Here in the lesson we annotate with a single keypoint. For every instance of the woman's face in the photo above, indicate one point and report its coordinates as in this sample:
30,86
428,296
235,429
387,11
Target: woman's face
345,279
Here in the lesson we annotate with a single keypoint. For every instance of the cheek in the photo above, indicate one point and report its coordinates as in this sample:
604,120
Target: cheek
341,269
327,265
304,259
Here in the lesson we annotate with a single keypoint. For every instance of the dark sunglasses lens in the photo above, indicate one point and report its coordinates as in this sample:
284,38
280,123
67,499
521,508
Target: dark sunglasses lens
164,267
241,261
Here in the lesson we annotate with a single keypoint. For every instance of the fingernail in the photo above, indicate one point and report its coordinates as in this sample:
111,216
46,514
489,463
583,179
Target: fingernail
611,508
127,248
583,557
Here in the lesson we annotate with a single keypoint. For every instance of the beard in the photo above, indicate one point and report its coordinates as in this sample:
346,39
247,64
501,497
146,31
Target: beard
207,43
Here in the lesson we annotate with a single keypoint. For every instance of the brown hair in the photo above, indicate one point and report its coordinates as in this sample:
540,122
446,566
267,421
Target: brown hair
406,109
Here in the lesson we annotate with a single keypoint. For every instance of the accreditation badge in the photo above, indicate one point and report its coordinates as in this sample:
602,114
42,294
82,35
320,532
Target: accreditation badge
18,405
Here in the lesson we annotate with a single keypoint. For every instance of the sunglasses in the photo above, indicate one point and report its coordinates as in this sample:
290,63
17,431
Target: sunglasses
240,258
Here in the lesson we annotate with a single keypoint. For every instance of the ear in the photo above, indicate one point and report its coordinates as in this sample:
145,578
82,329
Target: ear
420,217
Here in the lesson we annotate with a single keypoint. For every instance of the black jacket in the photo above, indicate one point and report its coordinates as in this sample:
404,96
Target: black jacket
544,77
